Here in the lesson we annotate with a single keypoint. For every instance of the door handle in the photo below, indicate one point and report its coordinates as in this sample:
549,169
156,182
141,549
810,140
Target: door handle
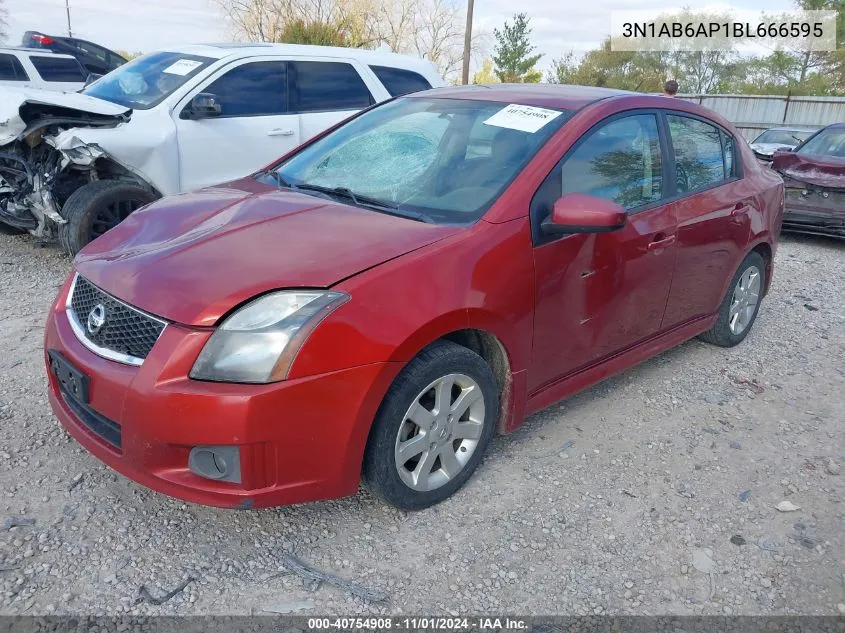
740,208
280,132
661,241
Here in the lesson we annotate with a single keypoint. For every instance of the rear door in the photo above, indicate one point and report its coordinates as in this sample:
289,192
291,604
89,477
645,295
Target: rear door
600,293
714,207
254,128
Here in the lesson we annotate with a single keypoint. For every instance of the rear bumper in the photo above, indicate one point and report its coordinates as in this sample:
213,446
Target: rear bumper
299,440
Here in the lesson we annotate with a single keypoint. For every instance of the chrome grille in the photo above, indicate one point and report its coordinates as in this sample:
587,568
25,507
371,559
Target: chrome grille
126,334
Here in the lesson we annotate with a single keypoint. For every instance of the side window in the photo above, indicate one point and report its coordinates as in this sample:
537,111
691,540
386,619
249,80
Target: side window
699,160
253,89
400,82
328,86
728,151
86,48
115,61
58,68
11,69
620,161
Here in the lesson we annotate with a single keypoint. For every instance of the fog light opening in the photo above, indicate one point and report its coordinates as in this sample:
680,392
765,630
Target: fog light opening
219,463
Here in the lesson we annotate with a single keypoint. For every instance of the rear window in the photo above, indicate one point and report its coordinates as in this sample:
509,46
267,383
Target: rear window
11,69
58,68
400,82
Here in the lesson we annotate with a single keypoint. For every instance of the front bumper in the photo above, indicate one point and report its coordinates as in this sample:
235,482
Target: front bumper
298,440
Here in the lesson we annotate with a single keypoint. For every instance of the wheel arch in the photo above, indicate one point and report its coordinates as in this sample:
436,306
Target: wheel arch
764,248
484,341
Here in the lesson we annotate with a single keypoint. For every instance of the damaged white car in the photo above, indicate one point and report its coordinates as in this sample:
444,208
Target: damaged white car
73,165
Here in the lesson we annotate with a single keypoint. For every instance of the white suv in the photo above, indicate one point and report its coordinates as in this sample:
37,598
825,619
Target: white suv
35,68
176,121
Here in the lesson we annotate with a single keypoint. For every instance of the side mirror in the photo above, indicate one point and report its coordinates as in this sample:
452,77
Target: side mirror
582,213
203,106
91,78
785,148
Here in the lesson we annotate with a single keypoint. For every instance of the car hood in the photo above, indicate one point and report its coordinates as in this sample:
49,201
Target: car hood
767,149
193,257
822,171
20,108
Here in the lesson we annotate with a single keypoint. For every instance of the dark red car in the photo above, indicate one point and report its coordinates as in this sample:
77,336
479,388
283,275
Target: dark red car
389,296
814,180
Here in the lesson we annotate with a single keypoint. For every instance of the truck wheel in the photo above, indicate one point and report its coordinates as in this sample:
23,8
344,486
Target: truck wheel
96,207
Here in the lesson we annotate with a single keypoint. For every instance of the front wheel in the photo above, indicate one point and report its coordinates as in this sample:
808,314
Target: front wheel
97,207
433,427
740,306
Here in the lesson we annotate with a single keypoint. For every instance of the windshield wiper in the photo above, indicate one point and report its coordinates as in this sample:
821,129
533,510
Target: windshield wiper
365,201
280,180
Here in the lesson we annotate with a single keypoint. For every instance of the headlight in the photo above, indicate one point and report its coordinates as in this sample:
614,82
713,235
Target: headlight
259,342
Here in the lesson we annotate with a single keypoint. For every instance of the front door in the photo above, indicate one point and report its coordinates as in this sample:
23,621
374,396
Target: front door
253,129
598,294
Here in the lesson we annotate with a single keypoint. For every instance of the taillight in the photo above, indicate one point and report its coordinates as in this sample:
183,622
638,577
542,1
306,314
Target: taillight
46,40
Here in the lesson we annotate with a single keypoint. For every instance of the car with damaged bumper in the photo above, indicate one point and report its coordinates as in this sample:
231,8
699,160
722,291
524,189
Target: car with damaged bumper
814,179
72,166
391,295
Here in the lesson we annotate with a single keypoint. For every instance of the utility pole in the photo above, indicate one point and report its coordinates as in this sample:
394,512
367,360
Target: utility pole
467,42
67,8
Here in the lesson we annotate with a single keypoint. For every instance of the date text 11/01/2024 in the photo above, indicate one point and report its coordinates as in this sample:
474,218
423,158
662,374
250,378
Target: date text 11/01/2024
418,623
738,30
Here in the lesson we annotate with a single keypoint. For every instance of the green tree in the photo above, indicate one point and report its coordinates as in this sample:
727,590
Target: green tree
127,55
317,33
485,74
624,70
512,54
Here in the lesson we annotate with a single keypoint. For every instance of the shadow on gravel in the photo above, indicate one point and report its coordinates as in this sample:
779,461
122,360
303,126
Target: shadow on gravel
815,241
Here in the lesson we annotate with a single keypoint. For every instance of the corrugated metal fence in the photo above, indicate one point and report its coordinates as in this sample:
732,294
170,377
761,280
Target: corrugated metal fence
754,113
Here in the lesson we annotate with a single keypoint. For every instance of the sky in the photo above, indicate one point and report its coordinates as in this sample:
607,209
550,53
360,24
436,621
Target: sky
145,25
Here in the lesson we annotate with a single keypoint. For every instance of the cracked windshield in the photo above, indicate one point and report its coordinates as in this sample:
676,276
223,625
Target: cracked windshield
438,160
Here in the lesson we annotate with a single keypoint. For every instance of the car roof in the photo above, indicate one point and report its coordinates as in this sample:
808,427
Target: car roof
559,96
33,51
235,50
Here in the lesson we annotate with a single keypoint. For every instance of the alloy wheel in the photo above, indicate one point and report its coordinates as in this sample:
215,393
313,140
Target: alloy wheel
440,432
744,302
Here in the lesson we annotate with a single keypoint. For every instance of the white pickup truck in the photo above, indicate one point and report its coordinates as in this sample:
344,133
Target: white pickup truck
73,165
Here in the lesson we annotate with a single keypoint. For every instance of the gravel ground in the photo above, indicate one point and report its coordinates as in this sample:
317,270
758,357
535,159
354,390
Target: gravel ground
652,493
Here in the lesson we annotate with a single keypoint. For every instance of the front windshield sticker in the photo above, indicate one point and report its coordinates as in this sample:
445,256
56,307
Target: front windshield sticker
523,118
182,67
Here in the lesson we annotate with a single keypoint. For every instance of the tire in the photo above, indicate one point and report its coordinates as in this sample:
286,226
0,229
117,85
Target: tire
97,207
723,333
467,437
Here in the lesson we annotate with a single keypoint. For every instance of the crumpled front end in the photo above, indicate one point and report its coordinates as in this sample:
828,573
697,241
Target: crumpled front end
44,160
814,194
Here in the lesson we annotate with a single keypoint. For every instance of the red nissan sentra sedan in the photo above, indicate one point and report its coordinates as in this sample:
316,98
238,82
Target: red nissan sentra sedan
390,295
